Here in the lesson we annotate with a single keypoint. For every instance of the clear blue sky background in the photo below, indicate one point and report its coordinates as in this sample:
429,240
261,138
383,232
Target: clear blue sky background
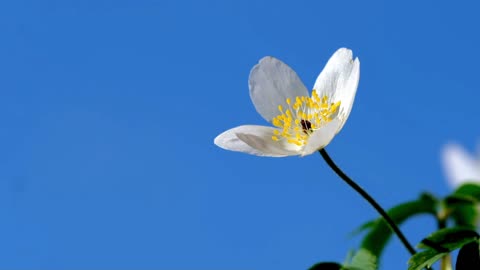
108,110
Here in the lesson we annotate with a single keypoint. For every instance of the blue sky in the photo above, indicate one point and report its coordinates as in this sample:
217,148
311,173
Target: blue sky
108,110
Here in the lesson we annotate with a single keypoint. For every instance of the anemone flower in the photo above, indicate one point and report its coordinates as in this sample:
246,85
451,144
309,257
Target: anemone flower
460,167
302,123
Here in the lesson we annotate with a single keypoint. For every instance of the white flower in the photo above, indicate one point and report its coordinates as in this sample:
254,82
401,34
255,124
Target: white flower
460,167
303,123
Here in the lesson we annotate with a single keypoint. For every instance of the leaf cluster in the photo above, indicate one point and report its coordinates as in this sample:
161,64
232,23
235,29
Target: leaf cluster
456,216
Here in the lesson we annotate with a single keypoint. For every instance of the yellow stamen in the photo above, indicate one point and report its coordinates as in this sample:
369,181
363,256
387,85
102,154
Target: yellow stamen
305,116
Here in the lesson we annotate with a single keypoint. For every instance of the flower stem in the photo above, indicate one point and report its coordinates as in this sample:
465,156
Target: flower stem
446,261
369,199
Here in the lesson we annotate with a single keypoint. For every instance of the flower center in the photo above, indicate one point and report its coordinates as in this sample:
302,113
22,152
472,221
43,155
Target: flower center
297,122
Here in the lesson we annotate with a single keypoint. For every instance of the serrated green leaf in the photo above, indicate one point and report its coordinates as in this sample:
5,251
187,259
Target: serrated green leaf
364,260
439,244
424,259
468,257
349,257
326,266
380,233
449,239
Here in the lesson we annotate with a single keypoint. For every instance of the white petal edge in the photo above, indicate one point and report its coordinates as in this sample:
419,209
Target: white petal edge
254,140
339,80
271,82
459,166
348,92
322,137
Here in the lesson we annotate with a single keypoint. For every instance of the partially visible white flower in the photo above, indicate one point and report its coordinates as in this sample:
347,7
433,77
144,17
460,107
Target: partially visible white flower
303,123
460,167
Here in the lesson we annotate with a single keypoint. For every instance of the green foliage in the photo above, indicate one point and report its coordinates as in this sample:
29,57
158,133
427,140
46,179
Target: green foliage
439,244
462,210
362,260
449,238
461,204
425,259
469,189
379,231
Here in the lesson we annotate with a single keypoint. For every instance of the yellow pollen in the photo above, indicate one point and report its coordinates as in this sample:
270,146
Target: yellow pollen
301,119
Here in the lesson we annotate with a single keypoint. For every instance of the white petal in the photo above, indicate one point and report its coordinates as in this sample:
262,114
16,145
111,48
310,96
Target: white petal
254,140
347,93
321,137
339,81
459,166
271,82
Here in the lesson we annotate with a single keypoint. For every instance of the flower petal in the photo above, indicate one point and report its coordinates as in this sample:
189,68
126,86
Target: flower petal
254,140
347,94
339,81
321,137
459,166
271,82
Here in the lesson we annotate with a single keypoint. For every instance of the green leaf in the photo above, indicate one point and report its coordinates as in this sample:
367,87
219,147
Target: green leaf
424,259
363,260
449,239
468,257
462,205
471,189
455,199
439,244
465,215
380,232
326,266
462,210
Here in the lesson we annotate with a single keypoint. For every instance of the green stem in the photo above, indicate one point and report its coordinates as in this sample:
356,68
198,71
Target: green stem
446,261
369,199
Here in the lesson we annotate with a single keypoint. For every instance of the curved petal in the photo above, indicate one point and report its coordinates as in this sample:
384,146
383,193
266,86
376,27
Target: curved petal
459,166
347,93
254,140
339,80
271,82
322,137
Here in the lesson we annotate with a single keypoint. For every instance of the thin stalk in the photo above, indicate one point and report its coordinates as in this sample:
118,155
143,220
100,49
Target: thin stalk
369,199
446,261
